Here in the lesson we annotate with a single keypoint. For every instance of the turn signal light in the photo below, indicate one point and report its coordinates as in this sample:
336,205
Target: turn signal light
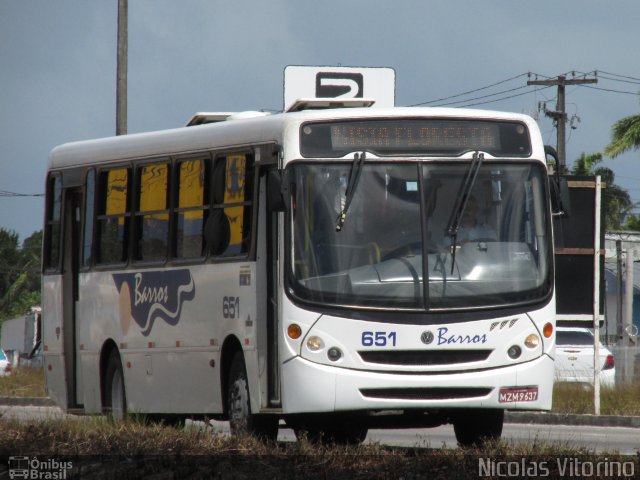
294,331
547,330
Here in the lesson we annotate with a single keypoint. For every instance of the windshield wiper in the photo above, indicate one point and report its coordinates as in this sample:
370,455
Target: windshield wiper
461,203
354,178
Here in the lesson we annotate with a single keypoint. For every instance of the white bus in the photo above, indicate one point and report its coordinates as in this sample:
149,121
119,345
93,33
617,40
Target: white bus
316,267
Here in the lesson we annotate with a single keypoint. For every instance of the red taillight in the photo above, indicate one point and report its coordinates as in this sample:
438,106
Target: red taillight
7,368
609,363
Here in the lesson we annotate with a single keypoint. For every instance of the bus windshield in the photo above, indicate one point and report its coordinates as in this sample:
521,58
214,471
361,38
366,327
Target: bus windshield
395,248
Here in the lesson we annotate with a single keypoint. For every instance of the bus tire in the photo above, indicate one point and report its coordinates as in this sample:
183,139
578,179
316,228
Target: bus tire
241,420
474,427
114,393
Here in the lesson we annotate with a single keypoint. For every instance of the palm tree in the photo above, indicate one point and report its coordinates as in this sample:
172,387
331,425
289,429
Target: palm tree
625,136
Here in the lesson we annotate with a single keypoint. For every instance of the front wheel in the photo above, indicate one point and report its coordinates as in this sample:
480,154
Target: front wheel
241,420
114,393
473,427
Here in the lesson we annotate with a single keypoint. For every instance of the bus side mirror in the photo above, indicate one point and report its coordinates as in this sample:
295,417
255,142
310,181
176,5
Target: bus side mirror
560,200
276,191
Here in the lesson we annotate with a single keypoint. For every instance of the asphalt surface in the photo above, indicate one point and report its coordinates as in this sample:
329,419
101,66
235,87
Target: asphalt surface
545,418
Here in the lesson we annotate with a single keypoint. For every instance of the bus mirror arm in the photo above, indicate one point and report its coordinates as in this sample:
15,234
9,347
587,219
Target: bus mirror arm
560,200
277,190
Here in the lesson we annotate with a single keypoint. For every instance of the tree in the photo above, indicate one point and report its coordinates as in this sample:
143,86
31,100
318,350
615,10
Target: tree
625,136
616,201
19,273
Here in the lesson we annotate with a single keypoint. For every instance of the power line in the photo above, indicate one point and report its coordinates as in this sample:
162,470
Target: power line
618,75
609,90
502,98
483,96
470,91
560,115
6,193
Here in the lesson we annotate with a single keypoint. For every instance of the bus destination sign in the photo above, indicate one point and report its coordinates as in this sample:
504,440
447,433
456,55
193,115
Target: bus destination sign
415,136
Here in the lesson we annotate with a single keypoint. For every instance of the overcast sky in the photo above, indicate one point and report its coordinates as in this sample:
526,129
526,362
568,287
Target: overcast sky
58,62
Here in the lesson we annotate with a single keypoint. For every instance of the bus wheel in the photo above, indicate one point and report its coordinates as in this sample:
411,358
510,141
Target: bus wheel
114,394
241,420
473,427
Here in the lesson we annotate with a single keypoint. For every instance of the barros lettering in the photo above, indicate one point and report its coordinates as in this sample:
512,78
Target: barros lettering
443,339
150,294
565,467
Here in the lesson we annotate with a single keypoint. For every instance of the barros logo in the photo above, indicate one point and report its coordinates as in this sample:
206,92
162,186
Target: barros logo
339,85
147,296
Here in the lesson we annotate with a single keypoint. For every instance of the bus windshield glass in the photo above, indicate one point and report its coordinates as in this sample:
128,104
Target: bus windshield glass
394,251
426,136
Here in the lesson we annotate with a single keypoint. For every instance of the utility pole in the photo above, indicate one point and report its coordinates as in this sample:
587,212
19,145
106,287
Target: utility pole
560,115
121,81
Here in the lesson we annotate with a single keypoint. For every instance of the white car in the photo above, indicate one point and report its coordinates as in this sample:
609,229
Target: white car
574,357
5,364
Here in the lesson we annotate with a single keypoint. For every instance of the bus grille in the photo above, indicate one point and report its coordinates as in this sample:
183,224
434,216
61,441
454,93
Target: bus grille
423,357
435,393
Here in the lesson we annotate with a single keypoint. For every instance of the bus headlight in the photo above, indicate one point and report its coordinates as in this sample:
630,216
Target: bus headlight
532,341
514,352
315,343
334,354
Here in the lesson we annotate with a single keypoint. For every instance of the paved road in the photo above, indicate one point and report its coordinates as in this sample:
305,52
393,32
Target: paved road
598,439
595,438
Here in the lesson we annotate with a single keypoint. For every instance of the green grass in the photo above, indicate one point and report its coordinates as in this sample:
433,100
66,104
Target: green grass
619,400
104,449
23,382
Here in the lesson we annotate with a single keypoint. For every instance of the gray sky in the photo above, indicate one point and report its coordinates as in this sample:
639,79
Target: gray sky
58,60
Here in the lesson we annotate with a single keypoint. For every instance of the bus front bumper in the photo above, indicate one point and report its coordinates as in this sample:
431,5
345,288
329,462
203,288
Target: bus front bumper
311,387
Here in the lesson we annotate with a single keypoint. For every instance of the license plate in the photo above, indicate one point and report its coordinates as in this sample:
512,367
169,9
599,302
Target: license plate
524,394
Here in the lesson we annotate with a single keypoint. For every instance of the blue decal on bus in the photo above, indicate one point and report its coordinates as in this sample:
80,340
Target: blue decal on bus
146,296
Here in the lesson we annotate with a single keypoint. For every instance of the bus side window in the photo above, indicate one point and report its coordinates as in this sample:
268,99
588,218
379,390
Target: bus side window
53,226
152,213
113,216
228,228
191,208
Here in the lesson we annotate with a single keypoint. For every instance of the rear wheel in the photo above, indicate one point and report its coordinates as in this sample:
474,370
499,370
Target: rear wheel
474,427
241,420
114,393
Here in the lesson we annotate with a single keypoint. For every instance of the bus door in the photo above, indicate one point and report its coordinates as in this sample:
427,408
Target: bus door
268,236
71,251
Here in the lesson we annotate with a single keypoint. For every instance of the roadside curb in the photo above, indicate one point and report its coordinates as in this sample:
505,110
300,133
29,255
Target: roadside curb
26,402
572,419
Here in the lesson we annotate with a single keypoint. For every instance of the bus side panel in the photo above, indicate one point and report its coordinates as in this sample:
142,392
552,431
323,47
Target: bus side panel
53,336
91,390
169,326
